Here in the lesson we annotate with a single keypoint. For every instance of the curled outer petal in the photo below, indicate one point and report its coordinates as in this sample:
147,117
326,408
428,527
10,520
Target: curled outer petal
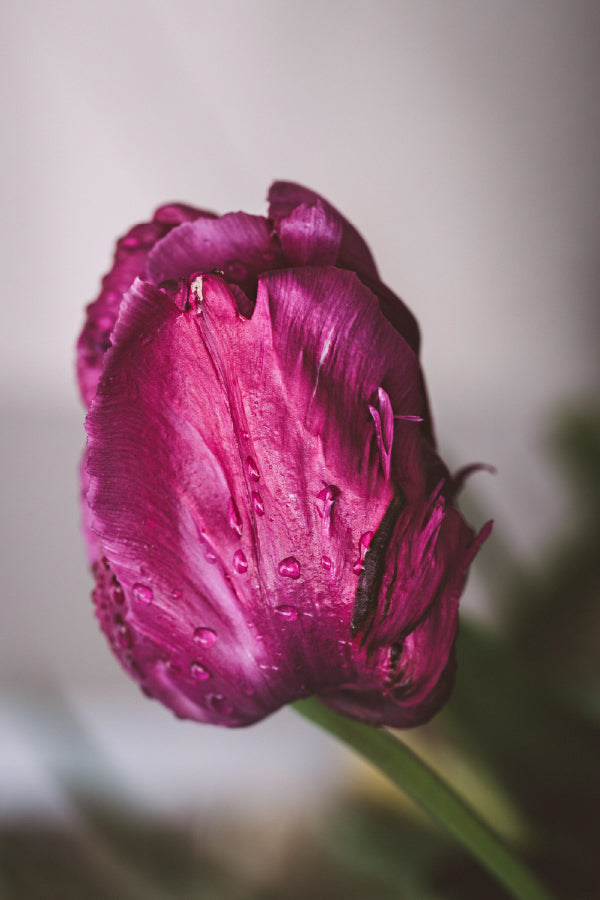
129,262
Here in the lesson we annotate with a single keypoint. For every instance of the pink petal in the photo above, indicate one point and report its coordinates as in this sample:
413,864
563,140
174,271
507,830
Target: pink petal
160,509
91,541
426,561
130,257
424,666
295,208
129,261
396,312
211,440
416,658
311,235
285,196
238,244
178,213
326,324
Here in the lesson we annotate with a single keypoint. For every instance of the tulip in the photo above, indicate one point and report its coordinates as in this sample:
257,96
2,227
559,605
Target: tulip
266,515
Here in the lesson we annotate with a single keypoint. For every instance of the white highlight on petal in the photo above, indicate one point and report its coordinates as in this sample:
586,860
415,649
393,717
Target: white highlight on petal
322,358
197,289
326,347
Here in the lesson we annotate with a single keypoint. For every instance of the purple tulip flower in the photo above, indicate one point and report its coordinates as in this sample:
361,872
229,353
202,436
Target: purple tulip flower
266,514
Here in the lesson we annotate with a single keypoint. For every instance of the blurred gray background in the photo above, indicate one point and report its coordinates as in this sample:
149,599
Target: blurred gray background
463,138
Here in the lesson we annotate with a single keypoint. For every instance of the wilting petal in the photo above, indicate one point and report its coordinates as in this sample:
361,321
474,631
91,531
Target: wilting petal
426,562
415,677
239,245
412,637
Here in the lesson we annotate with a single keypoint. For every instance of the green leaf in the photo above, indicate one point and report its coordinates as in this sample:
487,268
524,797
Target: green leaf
410,773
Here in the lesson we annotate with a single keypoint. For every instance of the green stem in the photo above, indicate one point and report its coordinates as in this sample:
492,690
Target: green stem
400,764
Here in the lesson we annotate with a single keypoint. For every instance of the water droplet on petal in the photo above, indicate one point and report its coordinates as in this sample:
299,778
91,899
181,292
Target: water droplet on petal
210,556
289,567
287,612
233,517
205,637
220,704
326,563
253,472
259,506
176,594
357,567
199,672
235,270
240,563
173,667
130,241
143,593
